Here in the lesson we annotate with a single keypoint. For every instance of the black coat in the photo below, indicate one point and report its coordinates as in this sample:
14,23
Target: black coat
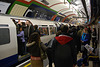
64,54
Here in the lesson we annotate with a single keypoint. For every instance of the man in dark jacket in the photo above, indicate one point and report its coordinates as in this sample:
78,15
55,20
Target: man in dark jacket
30,28
64,54
36,29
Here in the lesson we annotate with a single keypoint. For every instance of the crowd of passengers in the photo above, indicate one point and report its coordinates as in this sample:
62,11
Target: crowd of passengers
24,30
62,50
69,42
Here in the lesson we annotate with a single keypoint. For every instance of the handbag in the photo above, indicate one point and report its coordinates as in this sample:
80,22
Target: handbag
43,53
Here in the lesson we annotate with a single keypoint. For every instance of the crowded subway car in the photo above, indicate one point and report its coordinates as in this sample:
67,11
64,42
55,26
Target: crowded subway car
10,50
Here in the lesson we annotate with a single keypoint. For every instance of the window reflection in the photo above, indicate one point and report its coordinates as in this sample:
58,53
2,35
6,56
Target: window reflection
43,31
52,29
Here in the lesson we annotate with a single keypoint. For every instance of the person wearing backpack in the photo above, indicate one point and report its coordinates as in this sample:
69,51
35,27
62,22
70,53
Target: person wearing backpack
64,54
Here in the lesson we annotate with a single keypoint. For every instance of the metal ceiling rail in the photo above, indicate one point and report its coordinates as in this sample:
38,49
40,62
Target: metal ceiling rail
85,8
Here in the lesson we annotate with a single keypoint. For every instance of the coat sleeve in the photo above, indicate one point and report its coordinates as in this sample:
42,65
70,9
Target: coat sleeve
30,44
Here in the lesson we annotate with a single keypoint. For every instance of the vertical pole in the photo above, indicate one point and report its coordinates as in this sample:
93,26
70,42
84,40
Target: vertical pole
99,38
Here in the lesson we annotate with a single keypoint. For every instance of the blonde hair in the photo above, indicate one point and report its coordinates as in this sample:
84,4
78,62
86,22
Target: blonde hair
86,30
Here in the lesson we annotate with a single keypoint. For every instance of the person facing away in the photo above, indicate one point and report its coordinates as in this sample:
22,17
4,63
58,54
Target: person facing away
33,44
36,29
49,50
64,54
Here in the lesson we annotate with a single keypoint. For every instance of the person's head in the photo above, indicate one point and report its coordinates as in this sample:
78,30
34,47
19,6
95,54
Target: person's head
64,28
58,33
74,29
23,23
21,28
94,29
28,22
85,30
19,22
36,27
34,37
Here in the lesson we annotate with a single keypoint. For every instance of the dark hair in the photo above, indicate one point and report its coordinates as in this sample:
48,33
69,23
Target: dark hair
21,27
28,21
58,33
64,28
23,23
34,37
95,30
36,26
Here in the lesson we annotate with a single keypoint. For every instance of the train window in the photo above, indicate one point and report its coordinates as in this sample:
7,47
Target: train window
43,30
3,25
4,36
52,29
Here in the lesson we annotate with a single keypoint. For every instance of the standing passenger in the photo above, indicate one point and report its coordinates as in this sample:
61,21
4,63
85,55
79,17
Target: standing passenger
84,39
33,44
64,54
30,28
21,42
79,34
36,29
49,50
89,32
94,38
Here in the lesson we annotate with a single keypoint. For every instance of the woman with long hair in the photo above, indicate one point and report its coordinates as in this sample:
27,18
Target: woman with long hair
34,50
84,40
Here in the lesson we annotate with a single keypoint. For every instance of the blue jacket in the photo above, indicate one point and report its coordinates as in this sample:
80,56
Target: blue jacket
85,37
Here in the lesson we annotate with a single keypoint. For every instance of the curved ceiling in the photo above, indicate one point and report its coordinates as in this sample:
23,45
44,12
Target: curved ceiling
57,7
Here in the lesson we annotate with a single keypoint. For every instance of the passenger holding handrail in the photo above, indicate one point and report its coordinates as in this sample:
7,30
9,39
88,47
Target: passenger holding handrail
21,42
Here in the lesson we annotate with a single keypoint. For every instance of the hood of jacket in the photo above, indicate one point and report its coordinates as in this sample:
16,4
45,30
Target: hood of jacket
63,39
